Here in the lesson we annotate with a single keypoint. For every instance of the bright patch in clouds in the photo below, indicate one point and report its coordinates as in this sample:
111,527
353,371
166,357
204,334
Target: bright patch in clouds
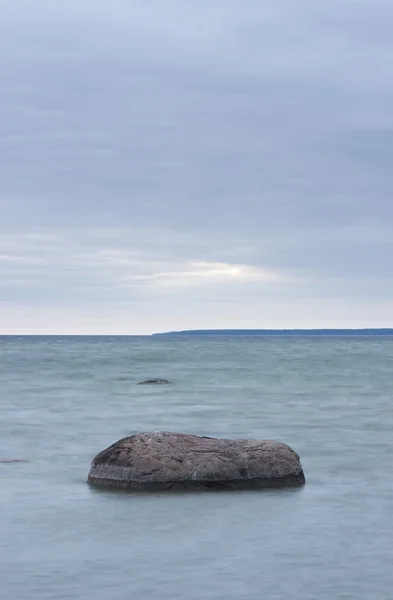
202,273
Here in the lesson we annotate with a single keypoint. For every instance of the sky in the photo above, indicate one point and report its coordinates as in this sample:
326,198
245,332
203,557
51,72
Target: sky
169,165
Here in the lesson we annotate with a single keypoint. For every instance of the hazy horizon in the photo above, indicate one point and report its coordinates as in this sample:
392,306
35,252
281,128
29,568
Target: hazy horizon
331,332
194,165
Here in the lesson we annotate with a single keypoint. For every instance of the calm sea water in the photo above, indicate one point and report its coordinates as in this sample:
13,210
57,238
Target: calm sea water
64,399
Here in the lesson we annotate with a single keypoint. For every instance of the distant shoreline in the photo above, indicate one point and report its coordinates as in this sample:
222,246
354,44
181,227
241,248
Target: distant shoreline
279,332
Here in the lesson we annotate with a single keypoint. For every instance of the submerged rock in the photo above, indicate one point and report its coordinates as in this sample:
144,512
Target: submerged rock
175,461
153,381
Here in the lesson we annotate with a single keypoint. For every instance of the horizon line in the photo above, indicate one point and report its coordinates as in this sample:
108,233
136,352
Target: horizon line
229,331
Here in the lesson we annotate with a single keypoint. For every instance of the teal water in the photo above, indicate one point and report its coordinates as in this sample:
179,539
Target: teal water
64,399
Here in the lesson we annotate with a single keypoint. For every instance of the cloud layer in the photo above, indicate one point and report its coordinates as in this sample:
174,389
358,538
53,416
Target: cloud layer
196,164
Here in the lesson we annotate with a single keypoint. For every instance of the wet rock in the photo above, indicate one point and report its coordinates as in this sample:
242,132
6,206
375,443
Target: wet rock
175,461
154,381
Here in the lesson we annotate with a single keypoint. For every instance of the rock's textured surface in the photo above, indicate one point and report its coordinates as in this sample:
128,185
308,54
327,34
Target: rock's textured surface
173,461
154,381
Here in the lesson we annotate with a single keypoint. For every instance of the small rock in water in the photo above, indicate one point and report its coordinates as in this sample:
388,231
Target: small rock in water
176,461
13,460
153,381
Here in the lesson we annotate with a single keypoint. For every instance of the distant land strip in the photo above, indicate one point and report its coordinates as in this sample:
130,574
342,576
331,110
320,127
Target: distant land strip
279,332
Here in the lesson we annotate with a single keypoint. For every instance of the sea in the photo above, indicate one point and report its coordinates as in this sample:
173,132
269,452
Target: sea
64,399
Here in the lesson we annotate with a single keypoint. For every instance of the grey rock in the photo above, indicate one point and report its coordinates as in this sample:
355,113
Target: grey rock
154,381
160,461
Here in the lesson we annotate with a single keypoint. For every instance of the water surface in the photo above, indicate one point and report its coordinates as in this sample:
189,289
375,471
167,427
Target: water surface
64,399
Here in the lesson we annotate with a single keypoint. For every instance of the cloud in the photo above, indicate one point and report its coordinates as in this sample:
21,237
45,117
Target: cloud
166,153
85,259
205,273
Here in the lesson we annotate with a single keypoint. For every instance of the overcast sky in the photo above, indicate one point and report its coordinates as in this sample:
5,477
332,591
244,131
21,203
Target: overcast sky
195,164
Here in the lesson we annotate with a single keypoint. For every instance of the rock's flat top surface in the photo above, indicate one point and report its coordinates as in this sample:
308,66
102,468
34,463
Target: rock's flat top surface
162,460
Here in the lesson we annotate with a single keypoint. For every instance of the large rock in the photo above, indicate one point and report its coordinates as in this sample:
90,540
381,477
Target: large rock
172,461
